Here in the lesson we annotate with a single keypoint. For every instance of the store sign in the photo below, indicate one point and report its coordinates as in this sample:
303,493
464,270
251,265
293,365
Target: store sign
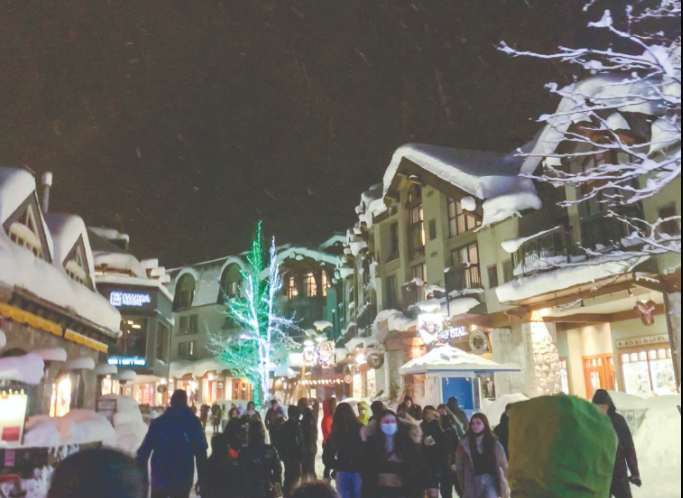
433,328
131,299
12,416
120,361
642,341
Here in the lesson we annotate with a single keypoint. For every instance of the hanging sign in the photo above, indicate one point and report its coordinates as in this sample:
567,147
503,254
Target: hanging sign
433,328
326,354
12,416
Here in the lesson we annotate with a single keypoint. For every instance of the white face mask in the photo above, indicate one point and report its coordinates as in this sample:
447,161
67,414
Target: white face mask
390,429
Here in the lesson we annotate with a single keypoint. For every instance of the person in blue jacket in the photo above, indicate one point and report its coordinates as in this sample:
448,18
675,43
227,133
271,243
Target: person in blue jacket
175,441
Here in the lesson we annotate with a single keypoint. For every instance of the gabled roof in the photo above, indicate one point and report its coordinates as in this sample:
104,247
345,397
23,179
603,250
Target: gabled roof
15,186
66,230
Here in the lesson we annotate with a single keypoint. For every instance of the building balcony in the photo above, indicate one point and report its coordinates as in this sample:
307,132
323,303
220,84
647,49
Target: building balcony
461,278
544,252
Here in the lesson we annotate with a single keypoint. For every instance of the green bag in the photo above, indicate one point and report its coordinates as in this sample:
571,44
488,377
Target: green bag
560,447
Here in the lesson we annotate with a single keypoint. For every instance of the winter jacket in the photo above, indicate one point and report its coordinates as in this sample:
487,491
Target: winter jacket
272,415
216,414
342,452
326,424
626,460
466,474
460,416
223,473
309,426
415,411
174,440
436,452
288,440
503,433
261,469
452,442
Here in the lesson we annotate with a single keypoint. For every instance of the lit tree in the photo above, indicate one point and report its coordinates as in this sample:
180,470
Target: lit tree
627,108
262,338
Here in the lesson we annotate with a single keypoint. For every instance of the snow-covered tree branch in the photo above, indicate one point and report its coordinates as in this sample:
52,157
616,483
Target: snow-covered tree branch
616,136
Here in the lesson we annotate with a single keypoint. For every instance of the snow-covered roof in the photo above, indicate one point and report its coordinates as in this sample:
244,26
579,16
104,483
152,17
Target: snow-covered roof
335,239
450,359
488,176
109,255
15,186
301,253
21,269
28,369
207,276
65,230
613,90
197,368
565,278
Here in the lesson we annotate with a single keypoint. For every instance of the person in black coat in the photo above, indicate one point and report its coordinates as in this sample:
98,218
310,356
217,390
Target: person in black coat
260,465
408,406
433,443
223,474
309,426
176,442
288,440
627,460
342,451
503,431
449,479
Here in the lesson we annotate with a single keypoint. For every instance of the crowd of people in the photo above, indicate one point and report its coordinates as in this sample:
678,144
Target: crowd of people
373,452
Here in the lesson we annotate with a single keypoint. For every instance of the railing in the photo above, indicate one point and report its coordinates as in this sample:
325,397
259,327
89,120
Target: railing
544,252
367,316
600,232
463,277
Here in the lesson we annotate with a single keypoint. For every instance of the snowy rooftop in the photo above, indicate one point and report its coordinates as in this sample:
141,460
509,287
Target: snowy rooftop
66,229
107,254
450,359
15,186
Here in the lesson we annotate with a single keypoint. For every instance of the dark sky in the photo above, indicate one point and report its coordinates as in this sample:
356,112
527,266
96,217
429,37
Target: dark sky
183,122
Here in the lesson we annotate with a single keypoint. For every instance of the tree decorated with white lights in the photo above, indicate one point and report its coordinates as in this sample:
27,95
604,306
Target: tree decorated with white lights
262,338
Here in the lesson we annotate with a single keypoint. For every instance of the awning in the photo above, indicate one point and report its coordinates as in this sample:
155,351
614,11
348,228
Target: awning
444,359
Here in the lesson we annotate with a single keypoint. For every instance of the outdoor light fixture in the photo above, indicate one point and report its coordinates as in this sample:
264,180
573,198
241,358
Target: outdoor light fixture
360,359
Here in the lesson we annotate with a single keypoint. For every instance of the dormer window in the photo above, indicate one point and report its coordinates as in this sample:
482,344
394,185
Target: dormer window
291,288
76,266
24,232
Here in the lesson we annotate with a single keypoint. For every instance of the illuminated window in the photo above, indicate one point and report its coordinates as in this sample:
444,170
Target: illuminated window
326,284
291,289
459,221
310,285
649,371
466,262
24,232
418,236
60,402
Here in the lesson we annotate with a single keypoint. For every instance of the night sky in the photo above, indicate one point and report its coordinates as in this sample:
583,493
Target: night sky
184,122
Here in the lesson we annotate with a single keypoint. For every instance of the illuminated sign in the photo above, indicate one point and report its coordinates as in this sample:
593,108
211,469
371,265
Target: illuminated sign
12,416
433,328
134,299
127,362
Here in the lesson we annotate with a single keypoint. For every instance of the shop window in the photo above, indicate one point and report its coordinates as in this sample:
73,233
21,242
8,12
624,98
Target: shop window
649,371
458,221
310,285
508,271
62,391
24,232
291,288
466,267
671,227
493,276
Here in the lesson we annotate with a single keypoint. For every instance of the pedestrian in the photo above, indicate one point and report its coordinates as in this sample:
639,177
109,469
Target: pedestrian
250,413
392,464
223,474
459,414
319,490
627,459
433,443
204,415
408,406
288,440
481,463
176,443
364,412
329,407
342,452
260,465
377,408
503,431
272,413
216,416
309,426
449,479
98,473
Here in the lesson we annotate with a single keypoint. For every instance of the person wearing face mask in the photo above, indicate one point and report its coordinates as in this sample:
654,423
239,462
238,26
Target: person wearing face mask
392,464
481,463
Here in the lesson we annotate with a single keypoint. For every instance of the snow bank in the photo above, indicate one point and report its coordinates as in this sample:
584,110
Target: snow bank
564,278
129,427
388,321
27,369
77,427
494,409
462,305
81,364
51,354
658,439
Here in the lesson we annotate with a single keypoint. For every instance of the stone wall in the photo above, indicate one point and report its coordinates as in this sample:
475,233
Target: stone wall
30,339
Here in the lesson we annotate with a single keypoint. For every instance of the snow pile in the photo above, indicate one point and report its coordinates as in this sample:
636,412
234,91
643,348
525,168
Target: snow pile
51,354
462,305
81,364
658,439
450,359
510,204
511,246
197,368
77,427
391,321
28,369
494,409
564,278
129,427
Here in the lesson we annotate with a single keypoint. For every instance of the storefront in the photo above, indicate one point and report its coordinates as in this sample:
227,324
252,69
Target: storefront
144,346
647,365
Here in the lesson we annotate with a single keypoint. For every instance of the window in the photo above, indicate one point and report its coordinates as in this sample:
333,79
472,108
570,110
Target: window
133,340
394,241
76,265
418,236
187,349
24,232
493,276
162,342
508,271
432,229
391,289
310,285
459,221
185,290
189,325
291,288
670,227
466,261
649,371
182,350
415,194
194,324
326,284
420,272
